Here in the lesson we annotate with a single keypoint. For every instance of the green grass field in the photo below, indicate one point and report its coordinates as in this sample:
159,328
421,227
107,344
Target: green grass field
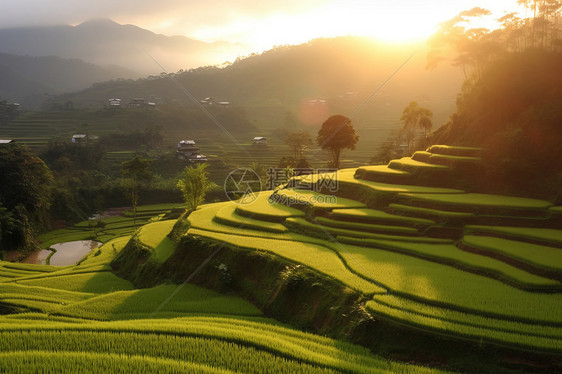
474,201
228,215
351,177
264,208
451,255
533,254
545,236
465,325
154,235
378,216
191,344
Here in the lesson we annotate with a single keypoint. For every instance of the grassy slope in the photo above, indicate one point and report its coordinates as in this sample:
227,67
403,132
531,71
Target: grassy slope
154,235
168,328
445,278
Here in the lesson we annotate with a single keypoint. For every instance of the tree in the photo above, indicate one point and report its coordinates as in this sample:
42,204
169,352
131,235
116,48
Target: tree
337,133
26,180
477,48
25,191
135,172
194,184
8,224
298,141
415,118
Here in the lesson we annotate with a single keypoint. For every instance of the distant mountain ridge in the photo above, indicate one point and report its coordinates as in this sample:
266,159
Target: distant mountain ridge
28,80
105,42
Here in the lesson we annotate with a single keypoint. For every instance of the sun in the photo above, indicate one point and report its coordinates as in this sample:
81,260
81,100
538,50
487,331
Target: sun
396,30
387,21
389,26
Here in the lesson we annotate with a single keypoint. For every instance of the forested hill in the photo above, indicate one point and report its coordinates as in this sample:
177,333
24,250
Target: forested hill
514,111
339,68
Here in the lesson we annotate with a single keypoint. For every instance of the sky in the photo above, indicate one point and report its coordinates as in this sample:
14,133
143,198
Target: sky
259,25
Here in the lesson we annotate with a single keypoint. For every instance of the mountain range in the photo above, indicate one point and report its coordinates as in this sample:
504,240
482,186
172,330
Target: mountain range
31,80
97,60
104,42
36,62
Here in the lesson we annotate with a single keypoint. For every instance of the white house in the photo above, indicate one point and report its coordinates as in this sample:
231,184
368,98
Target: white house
260,140
79,138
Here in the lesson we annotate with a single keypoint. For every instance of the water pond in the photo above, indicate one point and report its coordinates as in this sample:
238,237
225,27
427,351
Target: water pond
67,253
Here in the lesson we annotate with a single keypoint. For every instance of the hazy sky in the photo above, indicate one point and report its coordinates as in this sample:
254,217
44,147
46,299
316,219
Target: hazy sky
257,24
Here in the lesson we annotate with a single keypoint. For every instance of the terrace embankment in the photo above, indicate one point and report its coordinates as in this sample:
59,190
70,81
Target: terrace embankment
284,290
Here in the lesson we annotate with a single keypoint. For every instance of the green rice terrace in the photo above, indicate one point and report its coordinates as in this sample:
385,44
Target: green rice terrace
401,268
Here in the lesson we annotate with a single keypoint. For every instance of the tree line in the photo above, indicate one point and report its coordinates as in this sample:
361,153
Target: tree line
510,103
475,48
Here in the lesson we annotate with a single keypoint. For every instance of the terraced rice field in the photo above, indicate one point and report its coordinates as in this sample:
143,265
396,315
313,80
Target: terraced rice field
425,258
111,227
439,269
83,318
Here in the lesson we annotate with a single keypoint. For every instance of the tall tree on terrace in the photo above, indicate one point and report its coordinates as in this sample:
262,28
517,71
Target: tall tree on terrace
194,184
415,118
337,133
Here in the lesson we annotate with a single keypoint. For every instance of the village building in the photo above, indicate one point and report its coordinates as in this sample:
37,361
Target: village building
79,138
260,140
115,103
188,150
